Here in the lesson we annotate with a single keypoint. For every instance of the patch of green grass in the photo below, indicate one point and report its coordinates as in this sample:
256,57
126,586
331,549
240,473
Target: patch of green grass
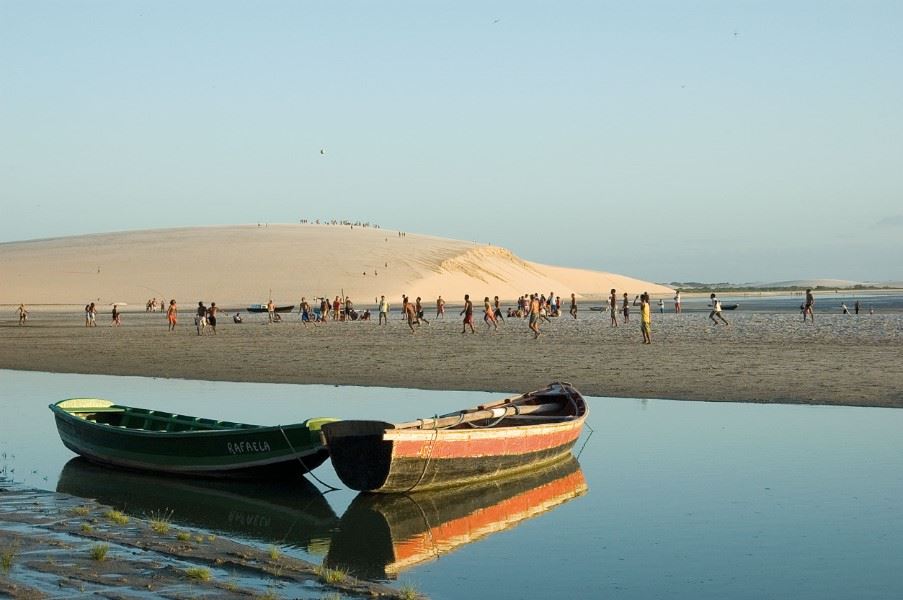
80,511
183,536
87,528
118,517
274,553
331,575
160,521
198,574
7,556
408,592
99,551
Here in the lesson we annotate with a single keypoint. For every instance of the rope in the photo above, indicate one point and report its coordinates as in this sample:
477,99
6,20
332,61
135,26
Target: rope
301,462
428,459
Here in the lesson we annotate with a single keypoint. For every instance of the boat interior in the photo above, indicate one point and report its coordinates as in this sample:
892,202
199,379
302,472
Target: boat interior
152,420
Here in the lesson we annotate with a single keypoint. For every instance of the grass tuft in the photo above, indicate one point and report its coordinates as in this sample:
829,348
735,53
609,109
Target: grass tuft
7,556
87,528
118,517
183,536
99,551
408,592
80,511
268,595
198,574
332,576
160,521
274,553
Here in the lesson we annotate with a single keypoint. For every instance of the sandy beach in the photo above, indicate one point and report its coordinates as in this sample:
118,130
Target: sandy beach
760,357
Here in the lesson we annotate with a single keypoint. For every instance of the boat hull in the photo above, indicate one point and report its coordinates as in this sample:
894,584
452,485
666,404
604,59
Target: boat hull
376,457
263,309
247,452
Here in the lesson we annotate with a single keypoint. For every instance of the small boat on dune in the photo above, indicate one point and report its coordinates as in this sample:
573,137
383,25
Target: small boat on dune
152,440
262,308
497,439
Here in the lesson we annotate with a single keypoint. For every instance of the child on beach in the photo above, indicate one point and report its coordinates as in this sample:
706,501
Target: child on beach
625,308
171,314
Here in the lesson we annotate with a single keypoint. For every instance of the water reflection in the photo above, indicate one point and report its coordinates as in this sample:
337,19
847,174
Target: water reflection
381,535
292,514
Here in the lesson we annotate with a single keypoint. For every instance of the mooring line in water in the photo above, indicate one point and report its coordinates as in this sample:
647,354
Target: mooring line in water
308,471
591,432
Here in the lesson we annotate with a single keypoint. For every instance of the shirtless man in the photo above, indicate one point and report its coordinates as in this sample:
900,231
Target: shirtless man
23,314
677,302
211,317
410,312
336,308
534,315
498,310
574,305
440,308
468,314
271,310
418,308
613,306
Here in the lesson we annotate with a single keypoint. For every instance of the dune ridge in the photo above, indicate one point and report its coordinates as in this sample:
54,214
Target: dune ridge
236,265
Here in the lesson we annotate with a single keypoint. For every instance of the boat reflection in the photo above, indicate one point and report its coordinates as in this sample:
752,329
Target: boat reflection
381,535
290,514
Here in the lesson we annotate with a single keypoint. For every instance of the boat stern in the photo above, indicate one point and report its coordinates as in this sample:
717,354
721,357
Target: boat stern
359,454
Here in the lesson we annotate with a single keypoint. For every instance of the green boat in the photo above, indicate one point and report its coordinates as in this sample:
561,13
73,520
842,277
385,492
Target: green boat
151,440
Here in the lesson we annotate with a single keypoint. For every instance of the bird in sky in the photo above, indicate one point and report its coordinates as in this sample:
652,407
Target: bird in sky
322,150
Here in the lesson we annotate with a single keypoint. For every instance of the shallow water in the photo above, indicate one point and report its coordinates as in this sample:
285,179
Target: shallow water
671,499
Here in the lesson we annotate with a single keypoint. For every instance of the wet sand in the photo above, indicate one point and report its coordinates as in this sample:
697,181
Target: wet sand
46,542
775,358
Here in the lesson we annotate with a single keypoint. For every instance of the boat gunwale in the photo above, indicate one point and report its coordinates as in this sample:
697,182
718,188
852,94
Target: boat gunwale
242,429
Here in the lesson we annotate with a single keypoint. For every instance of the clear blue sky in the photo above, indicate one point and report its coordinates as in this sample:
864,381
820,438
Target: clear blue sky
715,141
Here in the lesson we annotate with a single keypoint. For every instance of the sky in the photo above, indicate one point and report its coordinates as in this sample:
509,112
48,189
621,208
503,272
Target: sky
670,141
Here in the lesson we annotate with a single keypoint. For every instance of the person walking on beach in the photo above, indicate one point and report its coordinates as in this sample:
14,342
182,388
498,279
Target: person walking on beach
440,308
625,308
661,306
856,307
404,306
324,309
410,312
305,311
171,315
468,314
808,306
574,305
200,317
489,314
336,308
23,314
613,307
87,315
92,315
646,318
677,302
117,317
383,311
211,317
271,311
535,308
497,311
418,308
716,310
844,309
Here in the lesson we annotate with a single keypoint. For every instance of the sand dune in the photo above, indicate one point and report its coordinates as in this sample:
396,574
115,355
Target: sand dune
236,265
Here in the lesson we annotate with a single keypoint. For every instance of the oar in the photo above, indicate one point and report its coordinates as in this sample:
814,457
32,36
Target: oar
480,415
